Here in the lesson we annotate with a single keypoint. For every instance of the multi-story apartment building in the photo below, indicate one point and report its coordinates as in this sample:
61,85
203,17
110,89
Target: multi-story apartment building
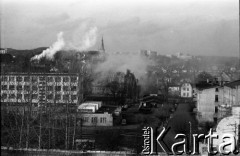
217,102
231,94
39,89
208,100
231,98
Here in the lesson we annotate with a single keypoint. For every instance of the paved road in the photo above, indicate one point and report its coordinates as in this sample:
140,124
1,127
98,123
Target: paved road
182,114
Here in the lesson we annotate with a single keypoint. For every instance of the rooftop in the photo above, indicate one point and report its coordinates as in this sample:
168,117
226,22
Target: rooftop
107,108
202,86
233,84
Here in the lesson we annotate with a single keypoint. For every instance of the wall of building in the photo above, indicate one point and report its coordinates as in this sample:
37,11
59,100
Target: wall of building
207,103
186,90
95,119
174,90
231,96
20,88
89,106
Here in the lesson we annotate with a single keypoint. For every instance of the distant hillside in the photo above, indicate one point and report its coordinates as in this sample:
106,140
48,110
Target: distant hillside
29,52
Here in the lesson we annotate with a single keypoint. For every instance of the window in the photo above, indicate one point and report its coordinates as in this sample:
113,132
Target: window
26,79
58,97
216,98
5,78
34,96
187,94
12,96
26,96
11,78
57,88
4,96
73,88
49,88
4,87
216,109
58,79
11,87
187,89
34,79
85,119
19,79
19,96
216,90
65,97
73,79
19,88
34,88
184,94
102,120
65,88
49,79
27,88
94,119
184,88
65,79
73,97
50,97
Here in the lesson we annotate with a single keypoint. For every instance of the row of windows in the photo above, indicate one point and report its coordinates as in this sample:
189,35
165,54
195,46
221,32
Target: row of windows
95,119
35,79
35,88
185,94
185,88
64,88
19,87
59,97
35,96
19,96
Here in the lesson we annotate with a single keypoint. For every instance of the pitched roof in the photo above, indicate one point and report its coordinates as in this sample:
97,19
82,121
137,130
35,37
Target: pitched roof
203,86
233,84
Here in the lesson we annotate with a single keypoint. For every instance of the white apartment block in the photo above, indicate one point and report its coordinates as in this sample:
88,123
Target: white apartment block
39,88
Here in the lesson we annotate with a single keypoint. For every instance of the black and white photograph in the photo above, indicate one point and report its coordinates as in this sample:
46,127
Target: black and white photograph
120,77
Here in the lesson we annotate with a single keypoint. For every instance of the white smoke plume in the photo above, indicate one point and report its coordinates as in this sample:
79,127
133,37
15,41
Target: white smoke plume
83,38
52,50
120,63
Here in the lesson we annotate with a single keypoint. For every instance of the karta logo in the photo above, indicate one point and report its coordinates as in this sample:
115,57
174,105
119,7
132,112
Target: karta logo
189,144
147,140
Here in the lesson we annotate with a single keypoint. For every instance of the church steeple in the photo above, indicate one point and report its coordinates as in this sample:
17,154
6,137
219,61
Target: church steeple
102,49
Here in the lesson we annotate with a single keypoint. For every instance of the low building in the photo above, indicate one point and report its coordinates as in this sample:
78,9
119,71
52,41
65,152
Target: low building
229,125
90,107
174,90
93,114
3,51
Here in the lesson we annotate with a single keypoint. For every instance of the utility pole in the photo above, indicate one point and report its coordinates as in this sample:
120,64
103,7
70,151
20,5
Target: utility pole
66,135
239,39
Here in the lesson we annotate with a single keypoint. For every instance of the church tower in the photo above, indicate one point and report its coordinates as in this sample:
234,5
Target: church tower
102,49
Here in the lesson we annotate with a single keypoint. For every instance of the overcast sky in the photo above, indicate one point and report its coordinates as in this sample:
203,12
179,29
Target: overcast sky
197,27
